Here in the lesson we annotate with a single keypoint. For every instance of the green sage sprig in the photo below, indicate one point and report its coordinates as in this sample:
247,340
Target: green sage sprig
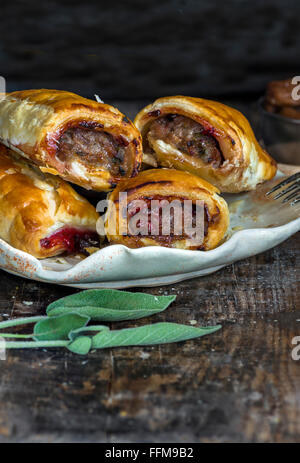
66,323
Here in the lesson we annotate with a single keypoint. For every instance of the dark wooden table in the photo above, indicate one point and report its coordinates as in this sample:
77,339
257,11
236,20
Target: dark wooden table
239,384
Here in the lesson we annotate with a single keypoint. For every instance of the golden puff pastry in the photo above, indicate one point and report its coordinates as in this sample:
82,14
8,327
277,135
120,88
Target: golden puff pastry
141,207
206,138
42,214
85,142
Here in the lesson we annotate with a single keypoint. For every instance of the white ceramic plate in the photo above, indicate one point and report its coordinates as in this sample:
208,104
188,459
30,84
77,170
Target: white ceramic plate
256,225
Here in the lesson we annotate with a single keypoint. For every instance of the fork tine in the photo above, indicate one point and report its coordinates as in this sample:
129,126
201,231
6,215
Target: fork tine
293,195
288,180
297,200
286,190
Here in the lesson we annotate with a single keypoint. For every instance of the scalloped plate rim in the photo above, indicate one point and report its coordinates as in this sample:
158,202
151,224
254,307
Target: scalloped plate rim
273,236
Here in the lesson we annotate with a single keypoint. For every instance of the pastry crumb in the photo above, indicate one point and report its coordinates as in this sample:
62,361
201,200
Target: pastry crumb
91,250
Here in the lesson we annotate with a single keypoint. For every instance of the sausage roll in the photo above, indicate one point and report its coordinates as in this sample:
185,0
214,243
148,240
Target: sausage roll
139,208
206,138
85,142
40,213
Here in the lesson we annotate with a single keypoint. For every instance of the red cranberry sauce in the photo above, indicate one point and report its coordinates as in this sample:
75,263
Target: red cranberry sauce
71,239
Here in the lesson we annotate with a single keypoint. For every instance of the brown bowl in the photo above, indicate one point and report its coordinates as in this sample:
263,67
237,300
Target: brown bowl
279,135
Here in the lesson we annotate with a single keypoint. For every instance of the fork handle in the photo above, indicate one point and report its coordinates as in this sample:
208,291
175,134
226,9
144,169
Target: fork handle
288,169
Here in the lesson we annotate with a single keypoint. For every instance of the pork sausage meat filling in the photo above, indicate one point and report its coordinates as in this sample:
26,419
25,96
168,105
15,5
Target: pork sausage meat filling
188,136
95,147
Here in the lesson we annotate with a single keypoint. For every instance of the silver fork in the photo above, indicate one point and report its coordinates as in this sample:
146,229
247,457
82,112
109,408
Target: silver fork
288,185
264,207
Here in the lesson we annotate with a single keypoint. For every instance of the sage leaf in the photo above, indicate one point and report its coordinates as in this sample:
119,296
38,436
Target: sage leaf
80,345
108,305
59,327
87,330
158,333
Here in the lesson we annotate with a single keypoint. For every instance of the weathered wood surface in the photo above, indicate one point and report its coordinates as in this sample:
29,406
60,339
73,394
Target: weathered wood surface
239,384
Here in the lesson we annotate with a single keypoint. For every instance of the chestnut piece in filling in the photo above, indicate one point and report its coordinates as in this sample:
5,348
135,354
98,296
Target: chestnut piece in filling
95,147
72,239
166,240
188,136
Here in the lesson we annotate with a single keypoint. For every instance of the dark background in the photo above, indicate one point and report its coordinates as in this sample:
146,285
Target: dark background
137,50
